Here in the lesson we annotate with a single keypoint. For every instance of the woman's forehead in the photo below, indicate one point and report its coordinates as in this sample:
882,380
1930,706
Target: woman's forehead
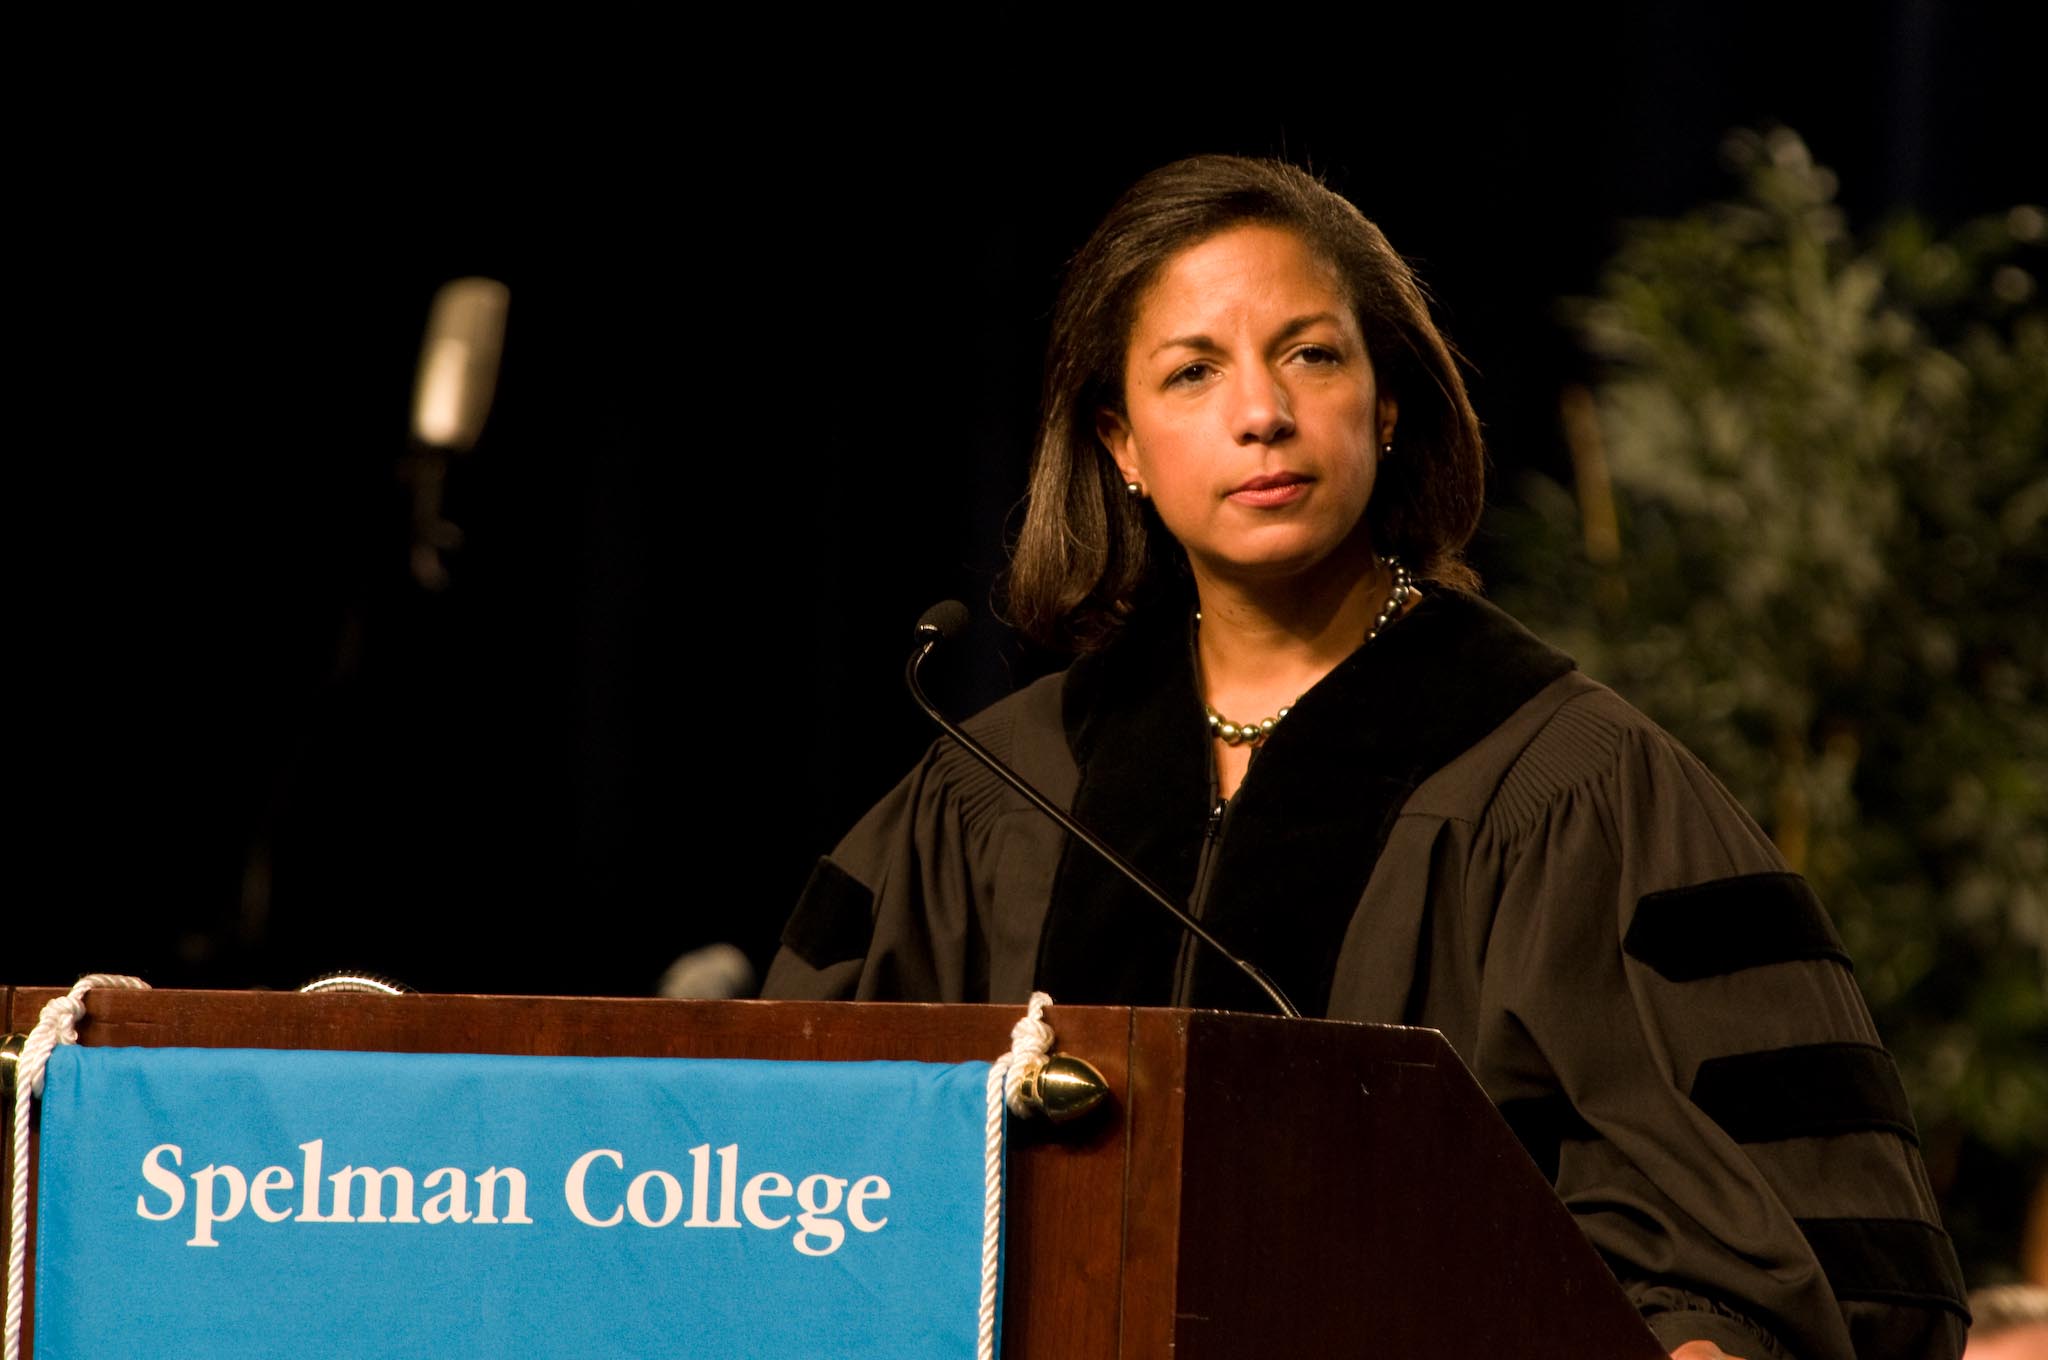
1255,269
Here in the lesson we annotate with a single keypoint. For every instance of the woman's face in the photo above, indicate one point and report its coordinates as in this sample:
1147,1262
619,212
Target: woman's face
1251,416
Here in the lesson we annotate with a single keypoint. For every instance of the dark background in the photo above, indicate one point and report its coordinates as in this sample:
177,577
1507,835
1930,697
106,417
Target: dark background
768,392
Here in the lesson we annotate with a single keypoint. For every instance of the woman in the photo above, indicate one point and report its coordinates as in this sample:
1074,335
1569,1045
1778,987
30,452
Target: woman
1256,470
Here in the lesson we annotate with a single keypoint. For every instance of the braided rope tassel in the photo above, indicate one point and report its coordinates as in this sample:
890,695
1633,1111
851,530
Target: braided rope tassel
57,1025
1030,1040
991,1210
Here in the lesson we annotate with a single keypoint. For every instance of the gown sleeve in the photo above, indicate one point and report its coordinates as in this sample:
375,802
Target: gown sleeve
1671,1009
939,892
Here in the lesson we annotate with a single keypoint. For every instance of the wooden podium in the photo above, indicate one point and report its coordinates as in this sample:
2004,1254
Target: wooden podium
1256,1187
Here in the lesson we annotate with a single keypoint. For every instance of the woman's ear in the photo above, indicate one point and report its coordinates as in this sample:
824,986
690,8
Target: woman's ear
1390,414
1115,433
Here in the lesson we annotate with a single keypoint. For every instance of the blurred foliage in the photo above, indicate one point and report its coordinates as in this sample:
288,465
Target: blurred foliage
1807,536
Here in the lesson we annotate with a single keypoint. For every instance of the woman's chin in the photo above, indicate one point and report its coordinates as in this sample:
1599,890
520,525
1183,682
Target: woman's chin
1294,565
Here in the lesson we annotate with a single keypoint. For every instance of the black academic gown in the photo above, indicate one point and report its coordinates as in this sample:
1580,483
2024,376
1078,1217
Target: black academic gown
1454,829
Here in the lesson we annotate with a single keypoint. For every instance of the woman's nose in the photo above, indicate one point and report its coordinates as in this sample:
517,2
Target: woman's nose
1262,413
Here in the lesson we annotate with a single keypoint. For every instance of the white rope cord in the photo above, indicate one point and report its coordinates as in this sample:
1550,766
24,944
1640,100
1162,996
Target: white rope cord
58,1025
1030,1040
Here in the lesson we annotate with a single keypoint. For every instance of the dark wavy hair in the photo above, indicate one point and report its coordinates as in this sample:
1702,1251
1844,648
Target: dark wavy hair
1087,552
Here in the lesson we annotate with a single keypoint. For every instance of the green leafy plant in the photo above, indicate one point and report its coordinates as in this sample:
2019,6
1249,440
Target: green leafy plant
1806,534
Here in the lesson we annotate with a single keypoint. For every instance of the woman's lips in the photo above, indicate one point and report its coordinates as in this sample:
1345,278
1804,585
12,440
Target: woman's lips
1278,488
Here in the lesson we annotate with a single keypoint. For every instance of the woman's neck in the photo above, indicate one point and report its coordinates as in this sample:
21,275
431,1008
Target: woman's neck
1261,647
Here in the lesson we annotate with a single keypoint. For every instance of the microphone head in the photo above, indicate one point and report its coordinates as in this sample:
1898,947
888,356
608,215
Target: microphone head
943,622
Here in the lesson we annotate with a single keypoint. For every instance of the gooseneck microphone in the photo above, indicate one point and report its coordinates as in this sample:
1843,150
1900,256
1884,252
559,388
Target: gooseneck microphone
942,622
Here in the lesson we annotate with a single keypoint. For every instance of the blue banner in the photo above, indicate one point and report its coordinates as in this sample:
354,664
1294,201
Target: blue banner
228,1202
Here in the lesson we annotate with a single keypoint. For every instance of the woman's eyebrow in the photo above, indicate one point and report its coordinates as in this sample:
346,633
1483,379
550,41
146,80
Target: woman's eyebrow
1293,328
1185,342
1302,323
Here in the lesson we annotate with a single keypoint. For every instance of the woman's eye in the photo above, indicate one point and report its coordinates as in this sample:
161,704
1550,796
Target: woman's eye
1318,354
1187,374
